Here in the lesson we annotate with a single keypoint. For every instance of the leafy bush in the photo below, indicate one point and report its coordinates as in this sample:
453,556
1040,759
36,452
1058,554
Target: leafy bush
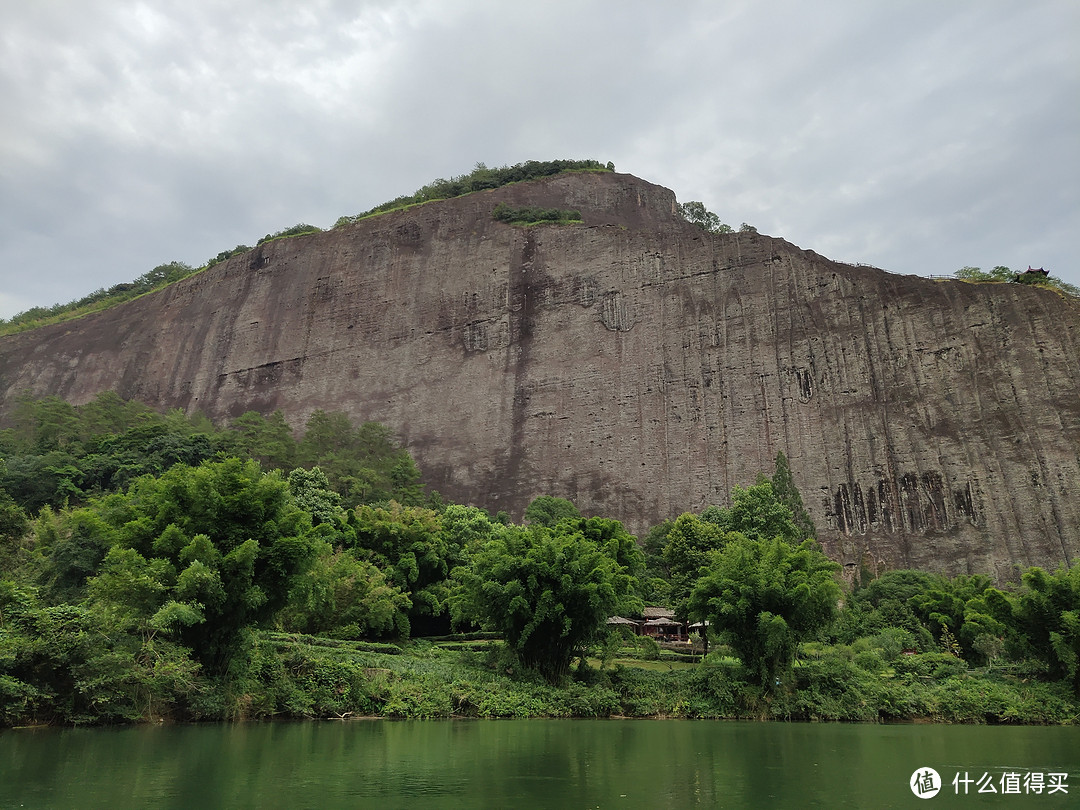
227,254
645,647
528,215
645,693
696,213
715,690
937,666
835,689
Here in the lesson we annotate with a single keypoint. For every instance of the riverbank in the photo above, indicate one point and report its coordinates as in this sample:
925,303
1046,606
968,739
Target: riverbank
295,677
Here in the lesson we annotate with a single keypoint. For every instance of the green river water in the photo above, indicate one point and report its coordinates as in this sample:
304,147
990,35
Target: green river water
524,764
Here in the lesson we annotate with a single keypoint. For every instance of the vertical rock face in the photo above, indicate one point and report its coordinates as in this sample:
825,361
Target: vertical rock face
634,364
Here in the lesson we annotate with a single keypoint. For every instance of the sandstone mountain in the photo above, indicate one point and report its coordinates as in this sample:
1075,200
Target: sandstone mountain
634,364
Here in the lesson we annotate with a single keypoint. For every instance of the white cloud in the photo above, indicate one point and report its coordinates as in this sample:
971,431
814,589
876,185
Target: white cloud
917,136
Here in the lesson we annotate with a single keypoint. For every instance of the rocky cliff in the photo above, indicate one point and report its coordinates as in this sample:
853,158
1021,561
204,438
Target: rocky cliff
634,364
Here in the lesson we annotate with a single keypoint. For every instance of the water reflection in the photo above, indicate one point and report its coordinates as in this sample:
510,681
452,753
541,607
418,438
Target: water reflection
507,764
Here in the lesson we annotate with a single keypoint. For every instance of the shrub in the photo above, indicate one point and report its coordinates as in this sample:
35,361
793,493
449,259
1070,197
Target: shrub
528,215
929,665
645,648
296,230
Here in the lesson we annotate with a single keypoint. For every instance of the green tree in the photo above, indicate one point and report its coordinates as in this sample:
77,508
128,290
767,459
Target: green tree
108,413
696,213
409,544
311,492
885,602
547,510
656,582
690,540
533,214
999,273
46,424
467,527
233,541
13,521
788,494
1044,617
344,597
268,440
296,230
756,512
73,544
611,536
764,597
79,664
364,465
944,604
548,593
59,455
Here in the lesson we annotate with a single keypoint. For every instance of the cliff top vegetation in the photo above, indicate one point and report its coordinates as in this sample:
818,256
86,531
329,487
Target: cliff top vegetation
1002,275
479,179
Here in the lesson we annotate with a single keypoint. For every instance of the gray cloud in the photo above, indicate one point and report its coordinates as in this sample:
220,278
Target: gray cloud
918,136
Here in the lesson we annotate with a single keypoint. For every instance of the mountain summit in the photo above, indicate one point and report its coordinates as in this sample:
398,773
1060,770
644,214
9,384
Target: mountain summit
632,362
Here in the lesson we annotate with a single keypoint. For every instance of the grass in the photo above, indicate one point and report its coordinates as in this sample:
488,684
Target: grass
651,666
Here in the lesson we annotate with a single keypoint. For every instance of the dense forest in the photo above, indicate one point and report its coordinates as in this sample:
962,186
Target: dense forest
156,566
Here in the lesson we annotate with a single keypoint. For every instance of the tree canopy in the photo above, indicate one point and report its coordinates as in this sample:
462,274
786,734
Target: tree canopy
203,552
548,591
1044,618
696,213
764,597
56,453
756,511
547,510
783,486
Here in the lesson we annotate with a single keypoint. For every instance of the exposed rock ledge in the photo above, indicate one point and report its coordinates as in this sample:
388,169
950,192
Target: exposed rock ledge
633,364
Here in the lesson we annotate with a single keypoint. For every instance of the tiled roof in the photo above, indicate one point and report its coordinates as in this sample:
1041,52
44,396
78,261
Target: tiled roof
658,613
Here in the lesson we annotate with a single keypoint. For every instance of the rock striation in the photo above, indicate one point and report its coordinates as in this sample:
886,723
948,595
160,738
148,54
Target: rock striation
634,364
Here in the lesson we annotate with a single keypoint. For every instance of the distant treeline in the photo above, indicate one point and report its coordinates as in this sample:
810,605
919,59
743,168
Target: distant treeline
161,276
58,454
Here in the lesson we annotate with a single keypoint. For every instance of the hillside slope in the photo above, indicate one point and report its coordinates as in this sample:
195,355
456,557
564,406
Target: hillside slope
634,364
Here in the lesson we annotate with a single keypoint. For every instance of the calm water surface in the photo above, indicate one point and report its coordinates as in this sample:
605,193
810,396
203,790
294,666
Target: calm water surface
564,764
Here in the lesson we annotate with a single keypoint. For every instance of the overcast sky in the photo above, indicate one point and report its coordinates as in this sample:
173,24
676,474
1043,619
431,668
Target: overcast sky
915,135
